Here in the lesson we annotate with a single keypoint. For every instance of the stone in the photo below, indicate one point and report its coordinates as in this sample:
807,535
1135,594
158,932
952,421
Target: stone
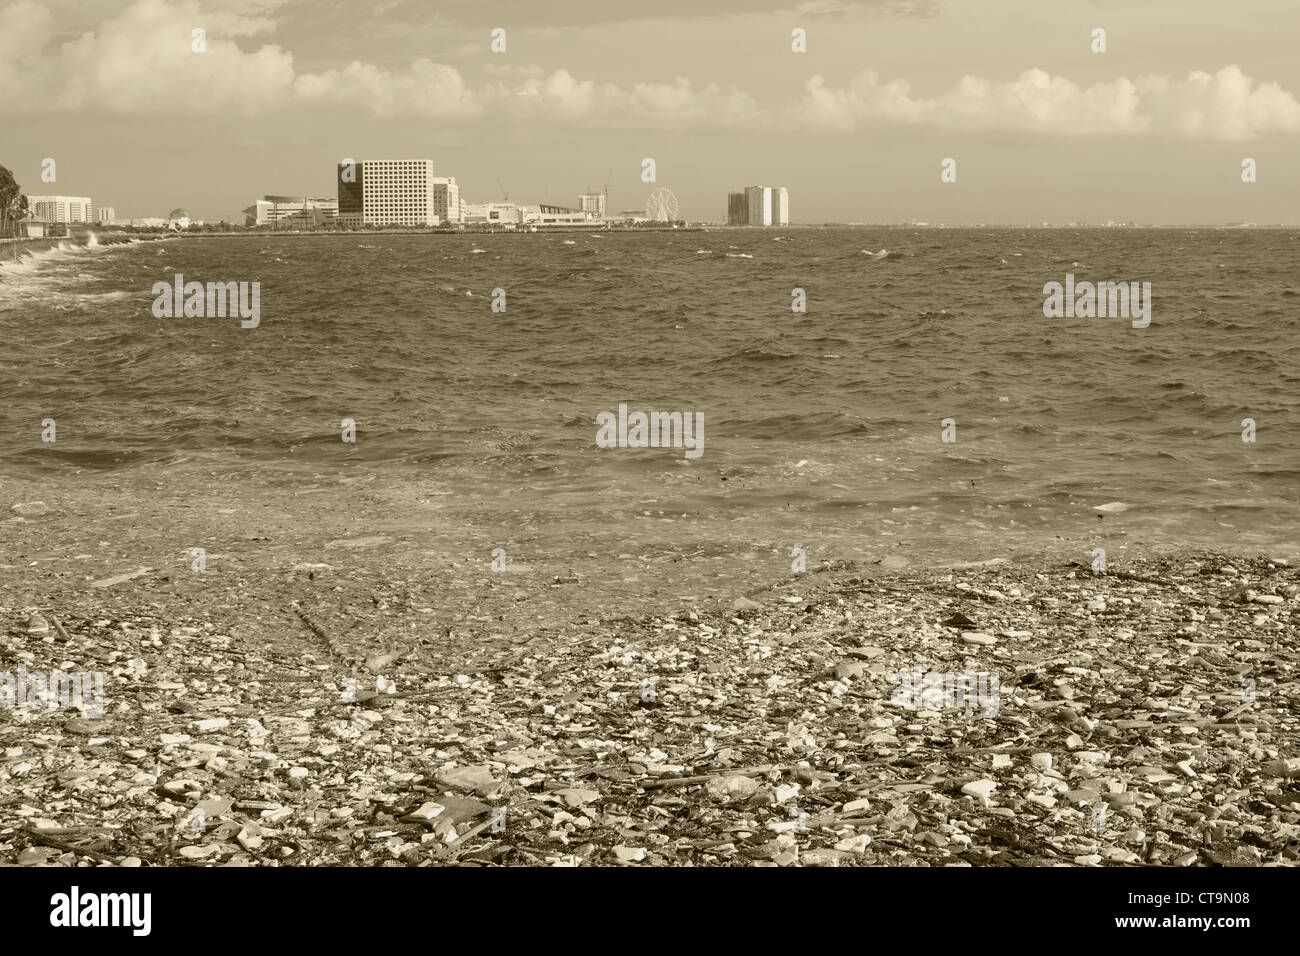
471,779
30,509
978,637
426,812
1041,761
745,604
980,789
731,788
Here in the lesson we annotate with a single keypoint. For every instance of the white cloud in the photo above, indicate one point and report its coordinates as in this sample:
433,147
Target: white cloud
1227,105
139,61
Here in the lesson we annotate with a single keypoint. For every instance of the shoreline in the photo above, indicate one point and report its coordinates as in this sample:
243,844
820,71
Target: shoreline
769,730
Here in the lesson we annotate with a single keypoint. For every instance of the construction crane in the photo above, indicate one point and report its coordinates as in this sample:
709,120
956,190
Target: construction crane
505,196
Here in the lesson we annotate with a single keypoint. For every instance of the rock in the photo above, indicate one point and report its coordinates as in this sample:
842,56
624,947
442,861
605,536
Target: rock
425,813
847,669
199,852
211,725
855,844
37,624
980,789
365,541
959,620
978,637
745,604
30,509
1041,761
894,562
577,796
731,788
1283,768
1001,761
1111,508
120,578
629,854
821,857
472,779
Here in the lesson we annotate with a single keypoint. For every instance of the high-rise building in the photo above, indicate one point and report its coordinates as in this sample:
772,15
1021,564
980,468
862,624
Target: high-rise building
350,181
446,199
759,199
61,208
105,215
593,204
737,209
393,192
780,206
759,206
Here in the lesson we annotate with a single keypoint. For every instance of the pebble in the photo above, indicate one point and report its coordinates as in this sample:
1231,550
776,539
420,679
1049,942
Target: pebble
980,789
1041,761
30,509
978,637
426,812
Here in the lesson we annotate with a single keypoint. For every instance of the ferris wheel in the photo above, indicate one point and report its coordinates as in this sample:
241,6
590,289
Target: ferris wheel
661,206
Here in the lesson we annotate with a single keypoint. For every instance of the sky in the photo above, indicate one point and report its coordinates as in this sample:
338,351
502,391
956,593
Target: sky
1041,126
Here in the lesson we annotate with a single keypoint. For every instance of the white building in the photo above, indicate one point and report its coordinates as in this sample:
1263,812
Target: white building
547,215
291,211
61,208
446,199
593,203
489,212
398,192
105,215
765,206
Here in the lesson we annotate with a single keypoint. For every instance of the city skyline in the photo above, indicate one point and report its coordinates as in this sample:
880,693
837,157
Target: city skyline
856,126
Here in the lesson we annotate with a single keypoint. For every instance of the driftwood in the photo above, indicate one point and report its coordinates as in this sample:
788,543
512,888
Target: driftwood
704,778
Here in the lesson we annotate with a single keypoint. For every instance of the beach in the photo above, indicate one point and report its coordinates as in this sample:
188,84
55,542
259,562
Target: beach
1057,716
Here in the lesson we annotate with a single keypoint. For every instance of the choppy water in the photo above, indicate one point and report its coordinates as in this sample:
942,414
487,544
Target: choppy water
819,427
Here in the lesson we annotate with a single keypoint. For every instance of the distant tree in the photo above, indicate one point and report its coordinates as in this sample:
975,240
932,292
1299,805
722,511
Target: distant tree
13,204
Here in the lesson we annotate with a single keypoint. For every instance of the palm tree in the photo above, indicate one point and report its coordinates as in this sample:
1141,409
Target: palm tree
13,204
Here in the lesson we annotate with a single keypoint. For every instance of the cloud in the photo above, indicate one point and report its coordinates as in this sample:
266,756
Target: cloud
1227,105
425,89
142,62
139,61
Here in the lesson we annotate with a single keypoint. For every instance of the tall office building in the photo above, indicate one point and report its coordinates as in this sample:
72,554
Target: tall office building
351,181
61,208
393,192
759,206
780,206
737,209
446,199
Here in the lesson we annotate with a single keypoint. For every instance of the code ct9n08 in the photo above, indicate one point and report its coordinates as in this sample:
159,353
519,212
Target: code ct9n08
1211,897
